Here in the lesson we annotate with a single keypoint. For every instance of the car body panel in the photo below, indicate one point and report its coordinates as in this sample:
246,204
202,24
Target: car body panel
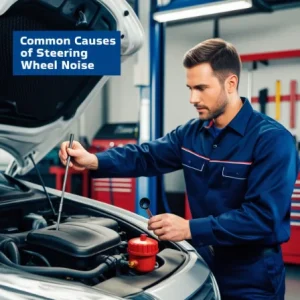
31,287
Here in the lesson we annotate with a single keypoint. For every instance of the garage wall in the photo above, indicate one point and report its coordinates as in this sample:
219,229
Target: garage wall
123,95
250,34
91,121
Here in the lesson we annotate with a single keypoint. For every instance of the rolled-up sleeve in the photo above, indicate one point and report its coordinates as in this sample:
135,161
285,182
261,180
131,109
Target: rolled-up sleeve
264,215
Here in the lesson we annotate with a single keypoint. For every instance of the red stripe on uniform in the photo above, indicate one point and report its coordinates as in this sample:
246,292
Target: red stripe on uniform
187,150
217,161
210,124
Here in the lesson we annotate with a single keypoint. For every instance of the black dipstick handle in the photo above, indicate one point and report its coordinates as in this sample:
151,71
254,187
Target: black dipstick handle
144,204
71,140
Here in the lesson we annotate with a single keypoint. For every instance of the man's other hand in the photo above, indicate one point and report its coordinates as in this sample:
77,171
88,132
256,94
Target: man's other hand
170,227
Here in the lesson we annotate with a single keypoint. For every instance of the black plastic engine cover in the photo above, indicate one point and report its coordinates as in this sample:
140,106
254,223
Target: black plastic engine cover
106,222
75,239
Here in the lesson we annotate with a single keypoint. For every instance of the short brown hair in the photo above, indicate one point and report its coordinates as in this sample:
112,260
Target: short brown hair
221,55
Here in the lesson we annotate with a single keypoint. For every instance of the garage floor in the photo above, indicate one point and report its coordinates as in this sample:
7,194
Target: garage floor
292,282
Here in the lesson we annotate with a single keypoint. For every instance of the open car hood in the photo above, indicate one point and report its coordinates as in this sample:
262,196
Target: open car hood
36,112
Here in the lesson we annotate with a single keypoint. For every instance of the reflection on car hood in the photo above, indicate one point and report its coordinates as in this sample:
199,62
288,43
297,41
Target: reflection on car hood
34,287
37,112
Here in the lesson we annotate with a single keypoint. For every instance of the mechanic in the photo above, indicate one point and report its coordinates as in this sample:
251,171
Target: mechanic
240,167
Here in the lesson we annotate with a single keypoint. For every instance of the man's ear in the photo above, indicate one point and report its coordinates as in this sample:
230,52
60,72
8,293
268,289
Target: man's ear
231,83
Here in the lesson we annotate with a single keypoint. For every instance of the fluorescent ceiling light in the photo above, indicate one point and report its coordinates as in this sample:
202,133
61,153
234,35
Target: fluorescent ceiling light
201,10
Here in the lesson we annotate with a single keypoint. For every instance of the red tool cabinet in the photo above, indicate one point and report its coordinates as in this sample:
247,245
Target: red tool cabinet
120,192
116,191
291,249
59,173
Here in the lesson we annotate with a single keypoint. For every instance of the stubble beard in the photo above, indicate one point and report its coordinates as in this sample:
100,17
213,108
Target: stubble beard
218,111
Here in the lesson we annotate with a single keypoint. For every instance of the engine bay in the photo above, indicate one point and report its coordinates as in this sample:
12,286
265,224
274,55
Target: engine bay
90,247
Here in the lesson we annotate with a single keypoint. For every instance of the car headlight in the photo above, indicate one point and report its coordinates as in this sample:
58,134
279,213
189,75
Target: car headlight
209,290
215,286
142,296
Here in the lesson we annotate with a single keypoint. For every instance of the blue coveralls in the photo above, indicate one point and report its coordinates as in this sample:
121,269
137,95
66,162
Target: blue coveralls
239,185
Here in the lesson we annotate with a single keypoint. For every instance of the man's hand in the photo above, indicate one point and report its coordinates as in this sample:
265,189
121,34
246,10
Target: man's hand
80,158
170,227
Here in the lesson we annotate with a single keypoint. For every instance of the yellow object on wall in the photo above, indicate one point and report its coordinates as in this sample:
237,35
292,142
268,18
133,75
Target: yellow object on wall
277,99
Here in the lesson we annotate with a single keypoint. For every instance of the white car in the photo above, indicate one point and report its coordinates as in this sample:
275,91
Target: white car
98,251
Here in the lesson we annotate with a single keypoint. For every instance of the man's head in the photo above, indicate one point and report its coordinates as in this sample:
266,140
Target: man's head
213,71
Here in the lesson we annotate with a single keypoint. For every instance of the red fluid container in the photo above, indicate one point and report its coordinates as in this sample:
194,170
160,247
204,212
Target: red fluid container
142,253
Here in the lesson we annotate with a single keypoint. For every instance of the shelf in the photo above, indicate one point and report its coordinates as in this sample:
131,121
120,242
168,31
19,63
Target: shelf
270,55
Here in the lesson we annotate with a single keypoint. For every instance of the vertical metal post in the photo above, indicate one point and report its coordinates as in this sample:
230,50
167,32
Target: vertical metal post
149,78
157,48
142,81
143,183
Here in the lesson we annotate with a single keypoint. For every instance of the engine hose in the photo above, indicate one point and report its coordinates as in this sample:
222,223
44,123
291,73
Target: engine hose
40,256
13,252
62,272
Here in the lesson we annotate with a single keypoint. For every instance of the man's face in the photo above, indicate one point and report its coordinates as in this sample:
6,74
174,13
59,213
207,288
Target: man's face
207,93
